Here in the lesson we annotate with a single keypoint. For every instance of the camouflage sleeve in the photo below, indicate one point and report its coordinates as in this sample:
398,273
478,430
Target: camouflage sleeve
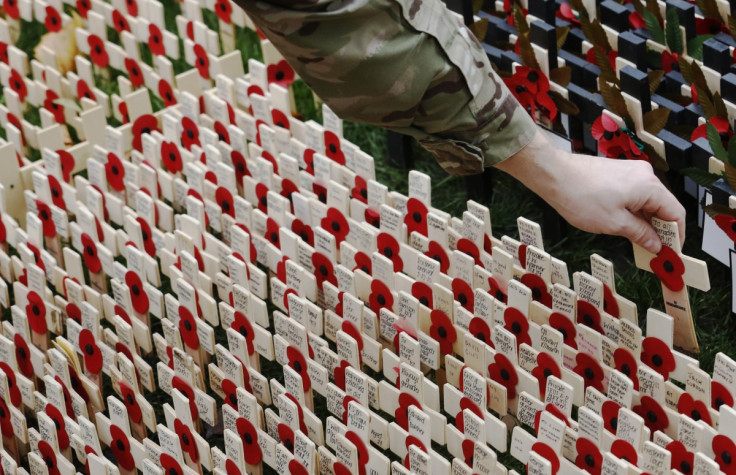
406,65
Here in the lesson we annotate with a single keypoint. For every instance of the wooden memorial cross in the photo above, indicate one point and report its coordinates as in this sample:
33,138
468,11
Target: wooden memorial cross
194,448
676,272
614,303
115,433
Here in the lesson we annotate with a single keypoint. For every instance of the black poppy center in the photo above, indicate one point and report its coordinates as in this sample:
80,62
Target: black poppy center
90,251
547,372
55,192
625,369
263,201
589,374
532,76
520,89
136,291
297,367
668,266
590,460
381,299
652,416
289,444
304,236
657,360
481,337
188,325
607,135
22,352
505,374
190,133
442,332
248,438
89,349
274,237
336,226
516,327
364,194
222,137
114,170
185,439
279,75
57,423
685,467
719,402
53,20
323,270
726,457
225,205
129,399
233,399
2,413
172,471
223,7
500,295
424,301
417,216
462,299
44,215
695,415
98,49
388,252
201,62
144,235
36,310
49,461
119,443
536,293
588,319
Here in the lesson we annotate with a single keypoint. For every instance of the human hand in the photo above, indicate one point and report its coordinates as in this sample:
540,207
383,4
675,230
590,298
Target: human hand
597,194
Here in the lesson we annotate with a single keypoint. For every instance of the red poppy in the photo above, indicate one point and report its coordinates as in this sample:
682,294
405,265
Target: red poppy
298,363
695,409
11,9
363,454
73,312
517,323
413,441
350,328
463,293
119,22
727,224
588,367
480,329
48,454
240,166
225,200
91,260
83,90
624,450
669,61
231,395
443,331
389,247
147,235
627,364
437,252
710,26
372,217
171,157
137,293
303,231
546,367
590,56
341,469
288,188
495,290
272,232
37,259
468,447
188,328
36,313
339,374
725,453
609,412
655,418
658,356
186,439
720,395
466,403
503,372
15,395
262,197
97,51
280,119
224,10
202,61
189,133
144,124
423,293
589,316
222,133
401,414
286,436
120,446
123,109
44,214
547,453
90,351
539,289
134,72
4,52
6,424
468,247
416,217
668,266
308,160
360,189
115,172
323,270
18,84
380,297
156,42
52,22
23,356
336,224
282,74
565,12
636,20
130,401
589,457
57,193
682,459
531,88
610,304
62,435
614,142
52,106
171,466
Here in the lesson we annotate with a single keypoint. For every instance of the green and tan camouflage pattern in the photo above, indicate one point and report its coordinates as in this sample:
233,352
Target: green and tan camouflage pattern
407,65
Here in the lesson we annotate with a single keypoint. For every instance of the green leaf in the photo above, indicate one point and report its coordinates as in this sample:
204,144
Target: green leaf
562,33
700,176
673,32
655,120
714,140
695,46
655,77
653,27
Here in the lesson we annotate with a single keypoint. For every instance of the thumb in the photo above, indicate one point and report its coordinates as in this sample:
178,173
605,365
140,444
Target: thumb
640,231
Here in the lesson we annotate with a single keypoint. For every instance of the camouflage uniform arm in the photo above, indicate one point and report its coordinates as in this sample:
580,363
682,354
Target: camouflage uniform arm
407,65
